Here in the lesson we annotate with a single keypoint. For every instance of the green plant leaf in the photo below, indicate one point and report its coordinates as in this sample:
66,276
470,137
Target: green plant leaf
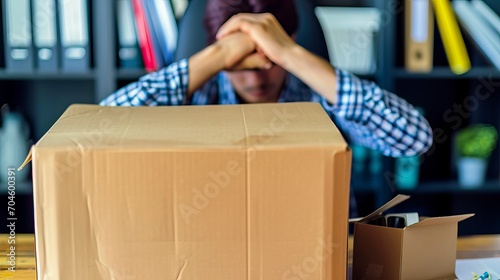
477,140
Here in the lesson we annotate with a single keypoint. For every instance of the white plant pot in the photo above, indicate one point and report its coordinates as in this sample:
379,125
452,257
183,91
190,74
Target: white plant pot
472,172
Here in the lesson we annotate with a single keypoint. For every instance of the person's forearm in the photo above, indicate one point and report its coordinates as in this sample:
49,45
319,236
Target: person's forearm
371,116
163,87
316,72
224,54
204,65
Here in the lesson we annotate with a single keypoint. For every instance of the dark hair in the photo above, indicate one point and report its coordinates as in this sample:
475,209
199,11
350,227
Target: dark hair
217,12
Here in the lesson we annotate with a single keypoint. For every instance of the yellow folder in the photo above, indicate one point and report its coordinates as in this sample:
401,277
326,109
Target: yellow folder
453,41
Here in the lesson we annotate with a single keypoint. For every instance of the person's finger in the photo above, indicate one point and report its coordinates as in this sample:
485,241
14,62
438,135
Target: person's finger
253,62
264,30
238,22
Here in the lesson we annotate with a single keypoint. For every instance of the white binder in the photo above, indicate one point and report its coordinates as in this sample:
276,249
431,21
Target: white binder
45,35
17,35
74,26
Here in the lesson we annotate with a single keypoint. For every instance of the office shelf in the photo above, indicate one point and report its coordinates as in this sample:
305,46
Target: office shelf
130,74
445,73
447,187
33,76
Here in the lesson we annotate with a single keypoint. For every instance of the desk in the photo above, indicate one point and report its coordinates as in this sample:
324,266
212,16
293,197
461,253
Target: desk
480,246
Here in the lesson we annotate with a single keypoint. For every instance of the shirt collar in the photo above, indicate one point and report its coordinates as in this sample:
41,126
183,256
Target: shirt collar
292,91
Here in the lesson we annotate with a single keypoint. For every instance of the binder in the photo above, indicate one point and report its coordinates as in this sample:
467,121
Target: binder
2,33
45,35
165,27
154,30
488,14
484,35
419,35
74,27
180,7
129,55
453,42
17,31
144,35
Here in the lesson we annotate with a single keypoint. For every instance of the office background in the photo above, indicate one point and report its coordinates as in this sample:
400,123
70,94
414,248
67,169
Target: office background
89,63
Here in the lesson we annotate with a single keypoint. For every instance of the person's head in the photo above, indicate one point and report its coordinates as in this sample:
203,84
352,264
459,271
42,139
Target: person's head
253,86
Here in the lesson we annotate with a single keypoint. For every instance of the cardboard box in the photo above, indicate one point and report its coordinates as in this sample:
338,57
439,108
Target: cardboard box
424,250
193,192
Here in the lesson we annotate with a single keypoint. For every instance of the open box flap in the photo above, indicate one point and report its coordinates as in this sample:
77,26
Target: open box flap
26,160
393,202
441,220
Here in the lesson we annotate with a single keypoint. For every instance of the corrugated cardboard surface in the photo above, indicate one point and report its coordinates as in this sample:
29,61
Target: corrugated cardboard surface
377,252
430,252
209,192
424,250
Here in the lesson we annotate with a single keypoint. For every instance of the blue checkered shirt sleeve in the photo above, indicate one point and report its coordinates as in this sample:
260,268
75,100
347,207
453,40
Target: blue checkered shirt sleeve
167,86
376,118
365,113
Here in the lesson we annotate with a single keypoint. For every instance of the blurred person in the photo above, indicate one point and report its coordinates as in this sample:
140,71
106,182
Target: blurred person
252,57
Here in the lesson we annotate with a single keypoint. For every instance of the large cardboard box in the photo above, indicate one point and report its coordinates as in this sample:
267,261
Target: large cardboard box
425,250
193,193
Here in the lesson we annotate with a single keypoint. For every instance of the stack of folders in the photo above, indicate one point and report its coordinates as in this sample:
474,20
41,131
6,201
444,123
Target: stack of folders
147,31
483,26
46,35
475,17
350,36
54,35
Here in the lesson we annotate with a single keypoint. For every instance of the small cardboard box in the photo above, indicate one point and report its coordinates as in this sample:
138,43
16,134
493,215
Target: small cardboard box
425,250
239,192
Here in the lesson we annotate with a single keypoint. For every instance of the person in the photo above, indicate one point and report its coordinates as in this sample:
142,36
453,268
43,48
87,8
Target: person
252,57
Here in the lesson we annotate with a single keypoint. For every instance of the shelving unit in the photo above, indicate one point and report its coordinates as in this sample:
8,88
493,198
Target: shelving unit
443,72
9,76
434,187
438,93
130,74
43,97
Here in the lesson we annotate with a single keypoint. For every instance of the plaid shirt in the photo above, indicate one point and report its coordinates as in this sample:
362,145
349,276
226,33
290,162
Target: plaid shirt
366,114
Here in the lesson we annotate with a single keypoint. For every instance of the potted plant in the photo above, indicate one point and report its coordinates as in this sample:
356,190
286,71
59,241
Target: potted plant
474,145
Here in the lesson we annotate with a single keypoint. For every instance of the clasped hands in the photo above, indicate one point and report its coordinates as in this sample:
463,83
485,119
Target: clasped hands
254,41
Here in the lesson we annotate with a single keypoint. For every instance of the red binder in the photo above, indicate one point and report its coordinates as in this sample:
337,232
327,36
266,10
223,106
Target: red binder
144,35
